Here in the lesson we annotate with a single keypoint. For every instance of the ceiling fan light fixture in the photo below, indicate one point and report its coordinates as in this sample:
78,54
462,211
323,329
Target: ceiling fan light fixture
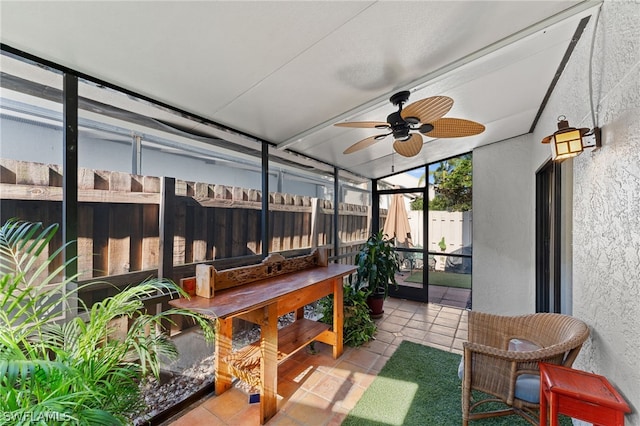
426,128
401,134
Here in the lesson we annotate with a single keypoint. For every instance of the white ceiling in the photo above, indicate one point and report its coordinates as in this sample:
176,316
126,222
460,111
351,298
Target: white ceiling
285,71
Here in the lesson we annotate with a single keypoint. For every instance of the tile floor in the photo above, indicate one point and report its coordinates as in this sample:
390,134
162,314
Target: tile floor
315,389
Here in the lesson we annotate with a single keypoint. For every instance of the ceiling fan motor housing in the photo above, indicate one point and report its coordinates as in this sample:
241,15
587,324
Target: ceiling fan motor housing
399,126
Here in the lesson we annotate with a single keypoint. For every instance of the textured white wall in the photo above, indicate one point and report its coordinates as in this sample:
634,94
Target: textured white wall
606,208
503,227
602,266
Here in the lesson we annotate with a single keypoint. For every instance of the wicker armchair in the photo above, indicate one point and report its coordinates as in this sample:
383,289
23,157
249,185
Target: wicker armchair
493,364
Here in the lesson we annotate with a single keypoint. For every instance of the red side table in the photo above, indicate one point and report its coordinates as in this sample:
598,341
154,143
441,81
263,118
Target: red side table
580,395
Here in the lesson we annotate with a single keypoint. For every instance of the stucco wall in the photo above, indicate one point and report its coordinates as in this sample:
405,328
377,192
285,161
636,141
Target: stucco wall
603,263
503,228
606,209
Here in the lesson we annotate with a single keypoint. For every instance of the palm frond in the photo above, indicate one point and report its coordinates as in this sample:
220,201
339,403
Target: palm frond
77,369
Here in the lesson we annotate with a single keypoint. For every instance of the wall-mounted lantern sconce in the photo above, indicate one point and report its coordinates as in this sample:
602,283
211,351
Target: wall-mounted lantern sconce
568,141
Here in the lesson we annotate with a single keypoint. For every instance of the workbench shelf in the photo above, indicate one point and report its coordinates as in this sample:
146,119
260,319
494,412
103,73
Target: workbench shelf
245,363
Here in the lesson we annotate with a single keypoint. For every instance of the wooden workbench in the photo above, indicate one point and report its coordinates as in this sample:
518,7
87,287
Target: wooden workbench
262,302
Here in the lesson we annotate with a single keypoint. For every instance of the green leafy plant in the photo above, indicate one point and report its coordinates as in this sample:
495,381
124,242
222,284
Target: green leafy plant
60,368
442,244
377,264
358,327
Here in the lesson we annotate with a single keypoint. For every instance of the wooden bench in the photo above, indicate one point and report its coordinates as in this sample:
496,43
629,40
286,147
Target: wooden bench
261,294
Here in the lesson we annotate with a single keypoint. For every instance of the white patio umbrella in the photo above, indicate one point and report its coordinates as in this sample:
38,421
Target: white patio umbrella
397,224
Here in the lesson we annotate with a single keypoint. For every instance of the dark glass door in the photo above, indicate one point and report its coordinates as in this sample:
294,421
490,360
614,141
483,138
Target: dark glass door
548,220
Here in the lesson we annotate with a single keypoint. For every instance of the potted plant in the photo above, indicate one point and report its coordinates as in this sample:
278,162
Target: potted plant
377,264
80,370
358,327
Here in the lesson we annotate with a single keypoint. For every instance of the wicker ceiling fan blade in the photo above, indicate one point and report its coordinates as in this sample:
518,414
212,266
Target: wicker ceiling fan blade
429,109
454,128
409,148
364,124
364,143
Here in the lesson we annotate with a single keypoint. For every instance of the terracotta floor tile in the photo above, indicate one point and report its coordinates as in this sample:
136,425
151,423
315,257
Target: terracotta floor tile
392,348
390,327
443,330
228,404
419,325
437,346
448,322
316,390
311,380
199,416
281,419
384,336
295,371
414,333
396,319
408,308
250,415
450,310
354,395
310,410
380,363
426,318
336,419
348,369
363,358
457,343
376,346
403,314
365,379
461,334
332,388
439,339
286,388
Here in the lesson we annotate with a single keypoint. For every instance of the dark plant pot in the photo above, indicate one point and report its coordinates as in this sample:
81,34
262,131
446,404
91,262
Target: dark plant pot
375,303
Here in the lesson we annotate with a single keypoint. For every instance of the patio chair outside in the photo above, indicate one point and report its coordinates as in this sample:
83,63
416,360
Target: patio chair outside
501,359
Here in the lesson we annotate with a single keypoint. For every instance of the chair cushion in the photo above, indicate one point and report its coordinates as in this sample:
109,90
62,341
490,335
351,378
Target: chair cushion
528,388
527,385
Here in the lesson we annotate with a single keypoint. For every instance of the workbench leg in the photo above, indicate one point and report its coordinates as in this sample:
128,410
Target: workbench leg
338,316
300,313
224,336
269,363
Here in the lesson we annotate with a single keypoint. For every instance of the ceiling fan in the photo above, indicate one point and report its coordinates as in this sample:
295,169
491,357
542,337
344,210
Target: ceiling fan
407,125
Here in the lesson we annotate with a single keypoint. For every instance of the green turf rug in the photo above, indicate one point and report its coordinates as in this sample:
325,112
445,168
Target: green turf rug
445,279
419,386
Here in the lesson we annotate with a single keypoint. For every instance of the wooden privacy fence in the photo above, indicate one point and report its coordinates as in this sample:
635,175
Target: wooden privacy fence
132,227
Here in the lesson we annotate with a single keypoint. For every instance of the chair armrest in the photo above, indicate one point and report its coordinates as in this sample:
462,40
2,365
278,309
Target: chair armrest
518,356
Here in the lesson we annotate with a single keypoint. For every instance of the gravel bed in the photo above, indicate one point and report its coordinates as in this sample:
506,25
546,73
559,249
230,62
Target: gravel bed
174,388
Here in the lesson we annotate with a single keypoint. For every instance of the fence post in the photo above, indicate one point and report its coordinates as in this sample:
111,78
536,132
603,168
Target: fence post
167,226
167,230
